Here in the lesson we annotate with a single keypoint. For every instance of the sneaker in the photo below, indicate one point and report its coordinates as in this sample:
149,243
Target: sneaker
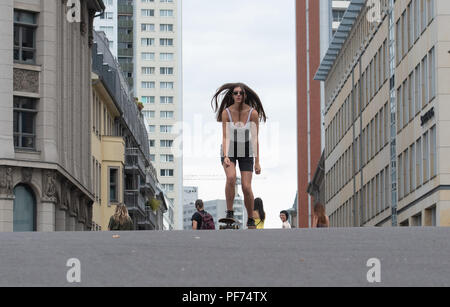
230,214
251,223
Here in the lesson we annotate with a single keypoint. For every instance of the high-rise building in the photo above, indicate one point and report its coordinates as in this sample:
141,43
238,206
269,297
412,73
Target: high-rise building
386,115
125,38
158,85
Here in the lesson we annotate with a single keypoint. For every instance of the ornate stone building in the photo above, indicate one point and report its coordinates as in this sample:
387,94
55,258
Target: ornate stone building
45,95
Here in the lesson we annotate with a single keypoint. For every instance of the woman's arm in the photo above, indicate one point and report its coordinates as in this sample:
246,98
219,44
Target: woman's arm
225,137
255,139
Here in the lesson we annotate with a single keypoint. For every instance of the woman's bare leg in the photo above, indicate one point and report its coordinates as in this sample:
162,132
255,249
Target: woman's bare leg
230,186
249,199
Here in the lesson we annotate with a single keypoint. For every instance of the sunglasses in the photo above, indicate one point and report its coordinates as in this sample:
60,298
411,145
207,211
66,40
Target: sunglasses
238,93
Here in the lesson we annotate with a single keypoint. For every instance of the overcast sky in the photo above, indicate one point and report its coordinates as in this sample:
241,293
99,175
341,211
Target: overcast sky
250,41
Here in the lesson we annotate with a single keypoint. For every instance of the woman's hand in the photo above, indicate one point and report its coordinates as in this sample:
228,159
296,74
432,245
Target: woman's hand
257,168
227,161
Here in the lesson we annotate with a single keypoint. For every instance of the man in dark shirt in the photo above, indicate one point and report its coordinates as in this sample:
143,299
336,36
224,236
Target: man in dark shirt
197,217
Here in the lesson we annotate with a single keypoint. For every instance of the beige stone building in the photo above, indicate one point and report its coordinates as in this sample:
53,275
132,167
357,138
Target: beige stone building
387,115
45,90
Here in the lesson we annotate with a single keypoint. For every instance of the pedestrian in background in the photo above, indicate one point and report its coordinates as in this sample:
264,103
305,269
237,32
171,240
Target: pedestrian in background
258,214
202,220
121,220
284,216
320,219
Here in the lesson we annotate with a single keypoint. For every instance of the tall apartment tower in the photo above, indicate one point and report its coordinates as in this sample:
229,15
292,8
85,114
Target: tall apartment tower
386,115
125,37
158,84
108,23
315,21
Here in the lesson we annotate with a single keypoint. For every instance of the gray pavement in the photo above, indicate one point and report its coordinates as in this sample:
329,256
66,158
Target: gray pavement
242,258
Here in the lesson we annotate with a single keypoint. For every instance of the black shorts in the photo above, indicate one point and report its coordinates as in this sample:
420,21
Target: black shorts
245,164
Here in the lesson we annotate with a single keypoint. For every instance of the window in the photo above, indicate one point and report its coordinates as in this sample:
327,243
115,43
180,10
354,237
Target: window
433,148
147,85
148,70
419,163
149,114
167,158
417,93
24,209
148,99
113,185
147,13
166,27
166,129
432,74
166,114
167,173
24,123
166,41
147,27
152,158
167,85
166,143
166,13
166,70
152,128
151,143
166,100
424,81
426,155
146,42
25,24
148,56
168,187
412,169
166,56
400,176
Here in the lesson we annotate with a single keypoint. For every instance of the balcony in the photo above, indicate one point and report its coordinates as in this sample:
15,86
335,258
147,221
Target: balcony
128,52
125,38
124,9
134,161
127,67
126,24
134,201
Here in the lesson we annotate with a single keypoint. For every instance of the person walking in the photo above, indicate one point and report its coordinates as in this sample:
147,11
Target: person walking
121,220
320,219
284,216
240,112
258,213
202,220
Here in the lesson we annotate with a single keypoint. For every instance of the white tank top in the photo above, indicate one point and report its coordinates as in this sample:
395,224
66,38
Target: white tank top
239,145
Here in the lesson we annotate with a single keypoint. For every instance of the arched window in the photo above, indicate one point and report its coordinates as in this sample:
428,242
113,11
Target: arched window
24,211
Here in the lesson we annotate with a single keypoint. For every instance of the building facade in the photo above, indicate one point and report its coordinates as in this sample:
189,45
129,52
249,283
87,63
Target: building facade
121,153
385,83
158,85
45,147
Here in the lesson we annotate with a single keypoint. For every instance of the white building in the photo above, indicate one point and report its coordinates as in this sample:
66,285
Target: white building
158,84
108,24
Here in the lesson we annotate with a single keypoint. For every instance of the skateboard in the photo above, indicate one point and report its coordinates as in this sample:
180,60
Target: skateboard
228,224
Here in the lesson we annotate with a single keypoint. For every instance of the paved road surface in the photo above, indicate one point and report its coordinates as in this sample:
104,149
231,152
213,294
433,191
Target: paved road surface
268,258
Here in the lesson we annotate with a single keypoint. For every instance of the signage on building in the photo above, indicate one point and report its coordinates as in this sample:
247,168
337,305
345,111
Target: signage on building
425,118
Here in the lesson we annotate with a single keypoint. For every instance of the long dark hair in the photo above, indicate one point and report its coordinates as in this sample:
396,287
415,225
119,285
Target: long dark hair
226,90
260,208
319,211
